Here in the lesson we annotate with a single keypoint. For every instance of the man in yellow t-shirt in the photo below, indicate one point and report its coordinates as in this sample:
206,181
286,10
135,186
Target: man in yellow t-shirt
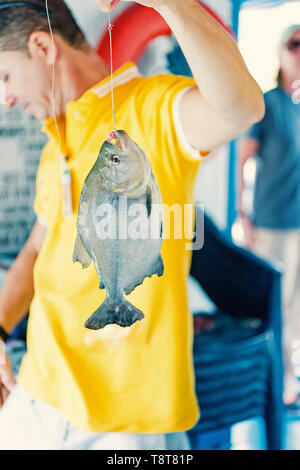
117,388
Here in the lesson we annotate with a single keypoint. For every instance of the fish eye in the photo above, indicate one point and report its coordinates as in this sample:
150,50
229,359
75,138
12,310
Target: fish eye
115,159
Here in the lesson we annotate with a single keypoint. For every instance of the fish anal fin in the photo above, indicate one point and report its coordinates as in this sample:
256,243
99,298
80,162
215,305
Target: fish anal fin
80,253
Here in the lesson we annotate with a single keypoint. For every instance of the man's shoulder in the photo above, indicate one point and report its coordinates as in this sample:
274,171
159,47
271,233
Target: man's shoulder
165,80
272,91
274,101
273,95
158,83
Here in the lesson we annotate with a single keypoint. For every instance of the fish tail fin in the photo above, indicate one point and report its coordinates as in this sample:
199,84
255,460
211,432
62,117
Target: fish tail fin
124,314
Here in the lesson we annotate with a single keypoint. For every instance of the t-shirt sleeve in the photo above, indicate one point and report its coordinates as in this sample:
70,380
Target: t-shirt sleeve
180,133
159,99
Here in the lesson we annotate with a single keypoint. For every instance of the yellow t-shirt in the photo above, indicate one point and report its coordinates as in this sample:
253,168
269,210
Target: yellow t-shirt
138,379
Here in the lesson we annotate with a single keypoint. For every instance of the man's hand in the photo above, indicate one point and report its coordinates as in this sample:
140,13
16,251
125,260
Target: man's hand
109,5
7,380
249,232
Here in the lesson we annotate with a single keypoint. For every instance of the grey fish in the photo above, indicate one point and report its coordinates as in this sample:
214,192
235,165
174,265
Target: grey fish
122,173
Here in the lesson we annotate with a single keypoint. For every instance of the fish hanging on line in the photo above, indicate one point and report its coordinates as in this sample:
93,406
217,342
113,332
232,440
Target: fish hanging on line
120,227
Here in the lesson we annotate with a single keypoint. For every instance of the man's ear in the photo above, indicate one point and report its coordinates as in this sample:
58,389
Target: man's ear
40,45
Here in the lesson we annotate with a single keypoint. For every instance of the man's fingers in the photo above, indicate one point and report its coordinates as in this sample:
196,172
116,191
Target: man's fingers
6,377
4,394
3,356
108,5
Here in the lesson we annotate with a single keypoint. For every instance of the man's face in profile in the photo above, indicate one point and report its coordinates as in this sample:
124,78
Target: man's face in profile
290,55
27,83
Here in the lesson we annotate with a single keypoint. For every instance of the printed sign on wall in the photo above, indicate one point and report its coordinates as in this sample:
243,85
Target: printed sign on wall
21,143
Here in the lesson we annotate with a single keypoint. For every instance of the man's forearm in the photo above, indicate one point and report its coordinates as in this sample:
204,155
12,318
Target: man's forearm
213,56
18,289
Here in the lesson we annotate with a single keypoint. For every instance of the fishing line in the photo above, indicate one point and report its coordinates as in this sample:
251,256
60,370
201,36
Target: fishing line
53,76
110,27
65,171
67,209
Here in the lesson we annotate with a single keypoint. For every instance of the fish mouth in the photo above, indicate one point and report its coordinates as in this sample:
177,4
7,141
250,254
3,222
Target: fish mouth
116,136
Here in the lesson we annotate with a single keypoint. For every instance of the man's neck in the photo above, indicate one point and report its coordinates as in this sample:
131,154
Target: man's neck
81,73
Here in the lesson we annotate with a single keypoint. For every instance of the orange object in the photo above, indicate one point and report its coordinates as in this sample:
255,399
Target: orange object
134,29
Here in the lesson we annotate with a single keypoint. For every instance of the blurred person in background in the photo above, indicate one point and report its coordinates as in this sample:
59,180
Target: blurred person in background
273,229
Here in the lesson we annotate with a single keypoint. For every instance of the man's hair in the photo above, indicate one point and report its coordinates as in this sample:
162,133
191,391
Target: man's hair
17,23
279,77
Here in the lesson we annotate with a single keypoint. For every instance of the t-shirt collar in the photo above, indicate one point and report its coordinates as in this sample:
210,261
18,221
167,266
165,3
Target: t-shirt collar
124,74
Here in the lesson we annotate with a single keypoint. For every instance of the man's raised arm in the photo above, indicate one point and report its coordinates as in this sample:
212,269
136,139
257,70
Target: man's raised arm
17,291
227,99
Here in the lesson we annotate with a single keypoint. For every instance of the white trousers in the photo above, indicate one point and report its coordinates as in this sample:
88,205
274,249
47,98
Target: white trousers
27,424
284,246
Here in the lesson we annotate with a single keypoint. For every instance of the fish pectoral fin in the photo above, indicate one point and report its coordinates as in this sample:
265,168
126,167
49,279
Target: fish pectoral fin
80,253
157,268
